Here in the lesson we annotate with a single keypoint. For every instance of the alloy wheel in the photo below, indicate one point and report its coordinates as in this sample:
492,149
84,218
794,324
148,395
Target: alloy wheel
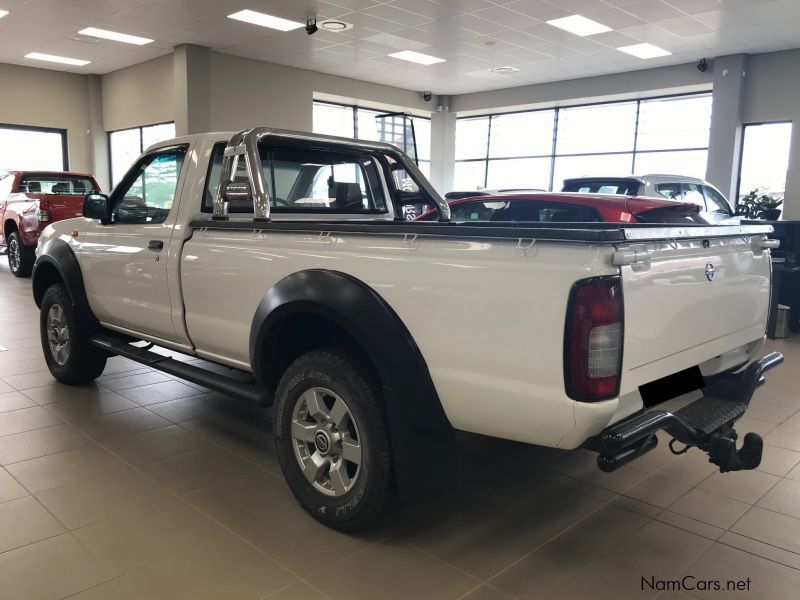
326,441
58,334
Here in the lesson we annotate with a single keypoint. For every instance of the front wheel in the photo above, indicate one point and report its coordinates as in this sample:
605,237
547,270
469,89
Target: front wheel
20,256
65,340
332,440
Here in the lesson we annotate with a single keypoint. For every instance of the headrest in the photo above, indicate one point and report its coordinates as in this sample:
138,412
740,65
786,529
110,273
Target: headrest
61,188
348,196
34,187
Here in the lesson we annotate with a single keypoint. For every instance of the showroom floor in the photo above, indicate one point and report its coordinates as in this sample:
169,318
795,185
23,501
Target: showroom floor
145,487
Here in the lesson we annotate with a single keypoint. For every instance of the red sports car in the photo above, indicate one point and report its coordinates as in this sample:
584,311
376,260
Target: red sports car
552,207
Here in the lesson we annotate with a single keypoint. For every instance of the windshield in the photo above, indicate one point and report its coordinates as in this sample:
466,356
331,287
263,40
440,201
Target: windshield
69,185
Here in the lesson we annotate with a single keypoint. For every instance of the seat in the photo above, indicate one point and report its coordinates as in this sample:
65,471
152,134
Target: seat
61,188
349,196
33,187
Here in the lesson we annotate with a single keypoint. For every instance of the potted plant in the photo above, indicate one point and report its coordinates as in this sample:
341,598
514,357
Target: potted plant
756,205
769,207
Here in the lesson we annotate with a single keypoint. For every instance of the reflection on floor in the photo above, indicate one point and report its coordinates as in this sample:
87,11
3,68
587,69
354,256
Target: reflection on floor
143,486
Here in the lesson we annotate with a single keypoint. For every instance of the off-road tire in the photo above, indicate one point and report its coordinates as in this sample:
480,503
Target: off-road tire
82,362
347,377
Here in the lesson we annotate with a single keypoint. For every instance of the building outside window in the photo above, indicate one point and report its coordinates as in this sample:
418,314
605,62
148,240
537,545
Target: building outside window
126,145
765,158
32,149
538,149
351,121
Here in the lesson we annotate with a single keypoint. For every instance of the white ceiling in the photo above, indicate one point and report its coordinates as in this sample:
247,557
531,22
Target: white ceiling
473,35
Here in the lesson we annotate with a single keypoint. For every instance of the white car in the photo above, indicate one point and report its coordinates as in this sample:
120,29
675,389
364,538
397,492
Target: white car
281,256
714,207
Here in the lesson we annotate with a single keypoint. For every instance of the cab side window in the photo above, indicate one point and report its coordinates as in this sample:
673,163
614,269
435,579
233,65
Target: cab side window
146,194
716,202
671,191
693,193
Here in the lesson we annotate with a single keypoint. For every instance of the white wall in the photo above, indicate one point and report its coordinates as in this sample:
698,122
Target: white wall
45,98
772,93
139,95
246,93
650,82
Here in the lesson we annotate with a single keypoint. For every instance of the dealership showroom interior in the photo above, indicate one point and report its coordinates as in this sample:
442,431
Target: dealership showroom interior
414,299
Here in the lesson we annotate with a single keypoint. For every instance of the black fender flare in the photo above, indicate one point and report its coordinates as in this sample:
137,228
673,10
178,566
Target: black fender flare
421,436
57,261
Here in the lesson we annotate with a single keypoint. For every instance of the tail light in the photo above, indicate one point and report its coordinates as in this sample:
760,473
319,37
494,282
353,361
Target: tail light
44,211
593,339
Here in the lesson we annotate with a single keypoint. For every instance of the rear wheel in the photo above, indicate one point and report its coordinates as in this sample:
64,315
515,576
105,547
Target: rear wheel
20,256
65,340
331,439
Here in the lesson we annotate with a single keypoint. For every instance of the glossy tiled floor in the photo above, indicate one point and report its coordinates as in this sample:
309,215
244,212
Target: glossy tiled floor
145,487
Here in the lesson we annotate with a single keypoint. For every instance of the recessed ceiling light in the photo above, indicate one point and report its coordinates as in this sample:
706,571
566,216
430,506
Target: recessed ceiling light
265,20
3,13
335,25
504,69
644,51
579,25
417,57
114,36
57,59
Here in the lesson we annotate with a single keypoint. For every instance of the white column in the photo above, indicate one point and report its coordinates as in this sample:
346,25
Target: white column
725,139
192,87
791,200
98,137
443,146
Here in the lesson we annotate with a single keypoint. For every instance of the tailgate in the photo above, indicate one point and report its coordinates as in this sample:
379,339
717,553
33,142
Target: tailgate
690,300
64,206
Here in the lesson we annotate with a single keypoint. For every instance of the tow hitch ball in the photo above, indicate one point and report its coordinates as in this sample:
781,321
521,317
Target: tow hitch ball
721,448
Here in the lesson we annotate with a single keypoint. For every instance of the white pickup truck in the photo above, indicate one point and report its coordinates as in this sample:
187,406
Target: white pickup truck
284,257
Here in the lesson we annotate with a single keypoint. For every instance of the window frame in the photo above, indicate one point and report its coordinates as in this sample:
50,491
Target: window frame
140,129
735,201
219,147
35,129
134,172
555,155
355,108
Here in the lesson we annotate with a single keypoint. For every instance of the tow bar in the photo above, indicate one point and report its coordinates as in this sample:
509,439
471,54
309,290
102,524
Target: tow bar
706,423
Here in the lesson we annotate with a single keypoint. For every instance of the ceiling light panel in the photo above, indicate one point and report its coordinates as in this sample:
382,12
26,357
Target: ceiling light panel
644,51
76,62
3,13
579,25
265,20
417,57
115,36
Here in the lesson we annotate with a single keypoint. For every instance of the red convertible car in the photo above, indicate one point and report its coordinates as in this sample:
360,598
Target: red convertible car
570,208
29,202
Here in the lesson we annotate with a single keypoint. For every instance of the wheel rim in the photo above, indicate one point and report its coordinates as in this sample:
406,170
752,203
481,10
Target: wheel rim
326,441
13,254
58,334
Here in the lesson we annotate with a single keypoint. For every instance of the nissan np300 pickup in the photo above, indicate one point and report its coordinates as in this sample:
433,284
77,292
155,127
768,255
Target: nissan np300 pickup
284,256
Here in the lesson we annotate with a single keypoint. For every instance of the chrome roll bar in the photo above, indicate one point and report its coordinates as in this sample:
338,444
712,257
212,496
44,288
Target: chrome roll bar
244,145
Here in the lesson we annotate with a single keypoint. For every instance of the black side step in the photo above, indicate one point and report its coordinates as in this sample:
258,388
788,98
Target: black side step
121,346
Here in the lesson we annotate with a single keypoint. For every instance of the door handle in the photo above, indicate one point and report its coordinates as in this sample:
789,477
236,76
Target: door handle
155,245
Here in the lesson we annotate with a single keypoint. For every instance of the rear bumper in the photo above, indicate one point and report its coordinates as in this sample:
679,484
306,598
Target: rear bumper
706,423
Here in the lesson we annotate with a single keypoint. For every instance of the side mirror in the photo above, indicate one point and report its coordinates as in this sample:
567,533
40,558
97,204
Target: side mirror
95,206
